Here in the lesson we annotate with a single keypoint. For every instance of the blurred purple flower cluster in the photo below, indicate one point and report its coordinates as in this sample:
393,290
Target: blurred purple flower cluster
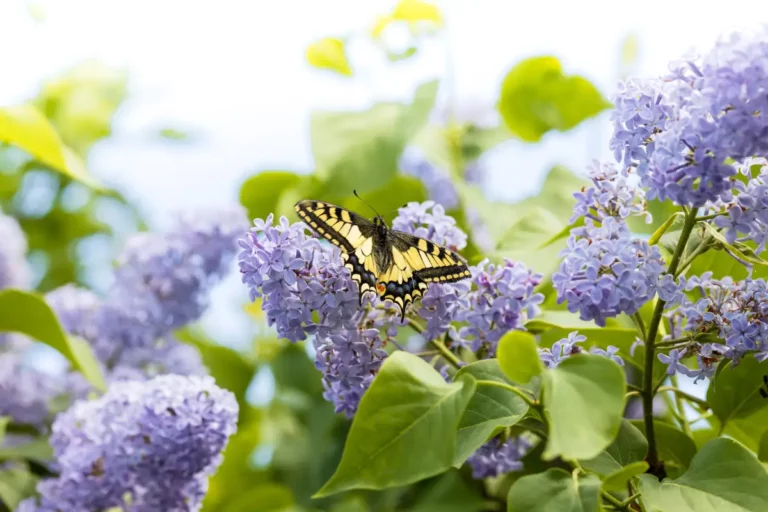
161,283
748,211
497,457
146,445
678,131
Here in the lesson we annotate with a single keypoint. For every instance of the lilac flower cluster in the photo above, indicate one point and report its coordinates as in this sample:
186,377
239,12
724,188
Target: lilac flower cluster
734,312
428,220
297,275
26,392
14,270
437,182
566,347
606,271
162,282
498,457
680,130
748,211
612,195
145,446
503,300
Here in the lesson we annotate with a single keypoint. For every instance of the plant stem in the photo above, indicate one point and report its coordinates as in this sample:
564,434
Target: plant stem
640,324
697,251
709,217
682,394
519,392
447,354
618,505
676,341
650,349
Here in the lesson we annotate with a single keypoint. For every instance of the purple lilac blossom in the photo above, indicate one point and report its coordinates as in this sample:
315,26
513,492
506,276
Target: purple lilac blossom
679,130
497,457
613,194
503,300
428,220
436,181
566,347
297,275
747,218
735,312
25,391
153,443
14,269
606,271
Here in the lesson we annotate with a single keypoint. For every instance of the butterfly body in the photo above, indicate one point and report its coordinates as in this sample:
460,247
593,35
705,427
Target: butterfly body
392,264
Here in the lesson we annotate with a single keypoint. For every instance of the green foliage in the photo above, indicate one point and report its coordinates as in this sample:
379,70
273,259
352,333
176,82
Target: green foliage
16,483
260,194
518,356
360,150
537,97
489,408
629,448
584,400
735,393
448,493
329,53
676,448
408,409
27,313
555,489
723,476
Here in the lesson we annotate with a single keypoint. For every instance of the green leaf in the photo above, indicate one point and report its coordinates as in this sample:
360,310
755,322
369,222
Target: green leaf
37,450
27,313
25,127
518,356
15,485
617,481
404,429
260,193
584,399
537,97
387,199
555,490
675,448
724,477
360,150
762,451
735,391
712,230
629,447
4,420
263,498
449,493
329,53
489,408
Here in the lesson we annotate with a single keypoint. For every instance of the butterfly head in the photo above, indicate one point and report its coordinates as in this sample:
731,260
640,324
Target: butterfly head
380,225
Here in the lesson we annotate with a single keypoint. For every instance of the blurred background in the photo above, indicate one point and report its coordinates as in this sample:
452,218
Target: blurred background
183,105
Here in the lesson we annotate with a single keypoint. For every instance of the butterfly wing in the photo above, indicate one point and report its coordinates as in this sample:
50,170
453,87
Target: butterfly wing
352,233
416,262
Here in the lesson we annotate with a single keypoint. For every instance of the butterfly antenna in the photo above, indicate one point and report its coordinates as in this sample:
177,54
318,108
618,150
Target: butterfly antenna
366,204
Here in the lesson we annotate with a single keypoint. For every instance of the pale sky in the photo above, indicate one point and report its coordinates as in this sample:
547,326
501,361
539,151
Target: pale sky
233,74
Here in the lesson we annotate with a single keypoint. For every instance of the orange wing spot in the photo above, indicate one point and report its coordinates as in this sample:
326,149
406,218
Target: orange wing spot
381,288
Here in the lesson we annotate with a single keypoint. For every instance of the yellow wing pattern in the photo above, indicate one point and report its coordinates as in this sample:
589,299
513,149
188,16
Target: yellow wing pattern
397,266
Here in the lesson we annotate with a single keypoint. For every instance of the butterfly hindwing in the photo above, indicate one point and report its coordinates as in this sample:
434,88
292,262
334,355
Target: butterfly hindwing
428,261
414,263
352,233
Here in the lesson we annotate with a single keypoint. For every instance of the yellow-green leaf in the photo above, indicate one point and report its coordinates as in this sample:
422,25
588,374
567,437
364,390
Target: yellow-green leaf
27,313
416,10
329,53
25,127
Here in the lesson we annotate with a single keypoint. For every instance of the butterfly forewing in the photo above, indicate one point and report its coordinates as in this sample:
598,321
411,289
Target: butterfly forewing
351,232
